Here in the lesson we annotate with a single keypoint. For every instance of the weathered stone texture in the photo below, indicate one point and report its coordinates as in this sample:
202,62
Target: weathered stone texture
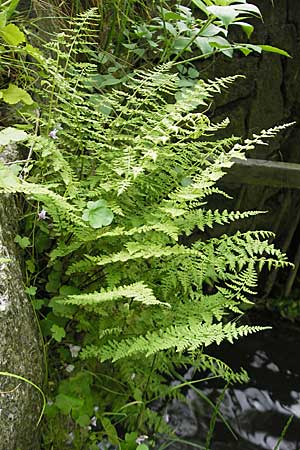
20,349
269,95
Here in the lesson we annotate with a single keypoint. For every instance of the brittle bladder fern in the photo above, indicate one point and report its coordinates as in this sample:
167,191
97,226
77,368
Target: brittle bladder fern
125,178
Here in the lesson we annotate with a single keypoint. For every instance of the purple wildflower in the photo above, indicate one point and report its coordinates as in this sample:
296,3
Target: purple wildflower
42,214
53,133
141,439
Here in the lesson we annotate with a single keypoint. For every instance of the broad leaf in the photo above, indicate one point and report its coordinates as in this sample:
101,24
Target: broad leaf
169,15
246,27
66,403
12,35
269,48
13,95
83,420
98,214
222,44
213,30
10,135
204,45
226,14
247,7
23,242
58,333
9,179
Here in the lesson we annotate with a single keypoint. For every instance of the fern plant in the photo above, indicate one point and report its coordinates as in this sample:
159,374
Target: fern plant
118,185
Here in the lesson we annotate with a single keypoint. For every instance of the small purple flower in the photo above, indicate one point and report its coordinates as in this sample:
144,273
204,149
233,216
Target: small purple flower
42,214
94,421
141,439
53,133
74,349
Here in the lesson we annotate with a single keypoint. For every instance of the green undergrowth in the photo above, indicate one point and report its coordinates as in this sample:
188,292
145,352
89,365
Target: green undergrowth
127,285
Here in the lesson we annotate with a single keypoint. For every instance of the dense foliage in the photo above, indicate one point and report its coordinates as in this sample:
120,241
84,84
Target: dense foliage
128,286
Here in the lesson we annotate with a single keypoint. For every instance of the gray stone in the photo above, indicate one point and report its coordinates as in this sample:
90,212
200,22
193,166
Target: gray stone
20,349
181,418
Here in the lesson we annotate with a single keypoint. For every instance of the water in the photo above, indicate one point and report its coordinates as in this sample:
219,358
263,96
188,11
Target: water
258,411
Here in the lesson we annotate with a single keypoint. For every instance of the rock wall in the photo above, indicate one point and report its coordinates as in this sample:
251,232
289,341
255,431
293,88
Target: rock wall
20,349
268,95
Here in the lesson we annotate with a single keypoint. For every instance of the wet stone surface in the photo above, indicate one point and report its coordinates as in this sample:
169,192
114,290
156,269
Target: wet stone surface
258,411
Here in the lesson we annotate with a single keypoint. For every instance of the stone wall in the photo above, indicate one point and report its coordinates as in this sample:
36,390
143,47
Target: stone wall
268,95
21,347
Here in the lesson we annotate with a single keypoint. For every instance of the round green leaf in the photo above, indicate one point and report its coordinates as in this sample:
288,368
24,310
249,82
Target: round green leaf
58,333
83,420
12,34
100,217
13,94
97,214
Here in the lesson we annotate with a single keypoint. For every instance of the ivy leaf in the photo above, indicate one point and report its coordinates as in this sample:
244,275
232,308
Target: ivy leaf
23,242
10,134
37,303
83,420
66,402
12,35
97,214
31,290
58,333
13,94
30,266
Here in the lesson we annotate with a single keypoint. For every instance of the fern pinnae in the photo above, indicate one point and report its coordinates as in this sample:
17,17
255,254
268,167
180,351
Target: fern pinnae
138,292
148,150
182,338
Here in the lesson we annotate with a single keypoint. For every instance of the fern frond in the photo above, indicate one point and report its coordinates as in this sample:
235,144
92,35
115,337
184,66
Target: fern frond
134,251
221,369
138,292
182,338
